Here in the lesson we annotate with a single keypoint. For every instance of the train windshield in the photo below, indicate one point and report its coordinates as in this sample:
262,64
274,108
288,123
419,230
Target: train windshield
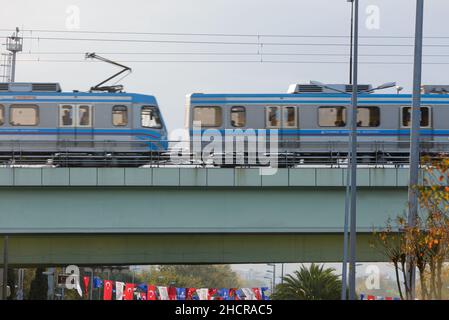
150,117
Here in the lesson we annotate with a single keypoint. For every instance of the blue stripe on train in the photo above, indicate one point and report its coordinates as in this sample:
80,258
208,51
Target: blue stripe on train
332,132
82,131
314,102
149,137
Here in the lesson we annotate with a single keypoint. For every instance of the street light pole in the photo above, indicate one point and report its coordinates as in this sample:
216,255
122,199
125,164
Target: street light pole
274,273
351,39
353,158
282,273
414,137
344,272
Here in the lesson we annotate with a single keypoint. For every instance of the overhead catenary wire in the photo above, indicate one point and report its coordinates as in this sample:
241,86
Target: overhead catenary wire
235,61
227,42
30,52
265,35
266,57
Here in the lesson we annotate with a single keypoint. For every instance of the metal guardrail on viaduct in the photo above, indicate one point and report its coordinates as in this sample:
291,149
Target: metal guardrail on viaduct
60,216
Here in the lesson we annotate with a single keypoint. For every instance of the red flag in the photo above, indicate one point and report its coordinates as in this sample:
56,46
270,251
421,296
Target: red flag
143,296
233,294
107,290
151,295
86,285
189,294
371,297
172,293
211,294
257,293
389,298
129,291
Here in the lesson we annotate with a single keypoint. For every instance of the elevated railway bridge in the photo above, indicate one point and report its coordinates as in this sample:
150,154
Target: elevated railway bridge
169,215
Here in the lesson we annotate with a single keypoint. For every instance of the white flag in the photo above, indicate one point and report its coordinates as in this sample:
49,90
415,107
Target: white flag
77,285
203,293
249,294
163,293
119,286
78,289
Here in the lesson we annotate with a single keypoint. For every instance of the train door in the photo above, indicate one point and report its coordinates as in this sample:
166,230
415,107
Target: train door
84,134
289,132
66,131
285,119
75,125
273,122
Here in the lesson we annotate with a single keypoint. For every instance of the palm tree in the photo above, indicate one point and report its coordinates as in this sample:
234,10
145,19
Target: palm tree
314,283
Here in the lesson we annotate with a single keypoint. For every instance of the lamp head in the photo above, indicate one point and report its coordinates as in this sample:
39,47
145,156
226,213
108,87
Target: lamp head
387,85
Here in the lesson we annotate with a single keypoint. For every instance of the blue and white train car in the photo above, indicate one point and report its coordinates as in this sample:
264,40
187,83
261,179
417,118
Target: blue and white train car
38,120
312,121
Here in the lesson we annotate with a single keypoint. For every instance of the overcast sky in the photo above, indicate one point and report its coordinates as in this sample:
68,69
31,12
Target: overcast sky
170,82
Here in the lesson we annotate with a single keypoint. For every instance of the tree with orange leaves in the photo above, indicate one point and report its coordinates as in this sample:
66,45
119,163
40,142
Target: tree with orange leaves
427,243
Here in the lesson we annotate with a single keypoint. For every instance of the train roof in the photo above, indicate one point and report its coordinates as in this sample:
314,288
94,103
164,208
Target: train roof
308,96
53,92
343,92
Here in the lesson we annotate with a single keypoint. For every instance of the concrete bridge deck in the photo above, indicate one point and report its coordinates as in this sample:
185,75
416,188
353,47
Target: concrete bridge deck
190,215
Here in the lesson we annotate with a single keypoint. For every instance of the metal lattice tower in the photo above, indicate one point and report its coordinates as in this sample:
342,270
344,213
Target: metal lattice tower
14,44
5,67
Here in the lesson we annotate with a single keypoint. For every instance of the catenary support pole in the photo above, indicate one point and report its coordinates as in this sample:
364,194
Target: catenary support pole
344,269
353,164
414,136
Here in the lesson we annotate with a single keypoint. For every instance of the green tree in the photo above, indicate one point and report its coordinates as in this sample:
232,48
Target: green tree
198,276
28,278
313,283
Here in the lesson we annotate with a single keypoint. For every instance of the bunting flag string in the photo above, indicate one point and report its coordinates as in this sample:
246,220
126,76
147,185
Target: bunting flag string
373,297
129,291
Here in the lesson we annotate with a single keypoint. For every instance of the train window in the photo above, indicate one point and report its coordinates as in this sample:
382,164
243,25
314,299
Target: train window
119,116
150,117
273,117
84,116
238,116
24,115
208,116
332,116
368,116
66,116
289,117
2,115
407,117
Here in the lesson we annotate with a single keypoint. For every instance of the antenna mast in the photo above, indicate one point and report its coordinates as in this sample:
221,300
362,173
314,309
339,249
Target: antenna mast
112,88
